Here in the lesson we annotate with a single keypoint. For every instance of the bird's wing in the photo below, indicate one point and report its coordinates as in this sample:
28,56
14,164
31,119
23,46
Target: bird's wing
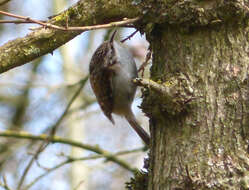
101,83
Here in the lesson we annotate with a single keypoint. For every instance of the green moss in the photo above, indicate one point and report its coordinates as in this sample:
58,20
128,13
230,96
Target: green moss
31,50
138,182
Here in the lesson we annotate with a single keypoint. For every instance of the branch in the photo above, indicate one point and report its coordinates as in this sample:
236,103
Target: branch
70,160
56,139
146,62
87,12
55,126
79,17
5,184
17,22
52,132
147,83
177,92
83,28
129,37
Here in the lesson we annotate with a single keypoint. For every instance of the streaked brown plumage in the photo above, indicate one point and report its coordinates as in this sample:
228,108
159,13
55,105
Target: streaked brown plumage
112,69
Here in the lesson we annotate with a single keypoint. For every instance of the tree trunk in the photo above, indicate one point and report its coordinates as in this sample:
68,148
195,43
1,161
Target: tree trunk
78,172
200,136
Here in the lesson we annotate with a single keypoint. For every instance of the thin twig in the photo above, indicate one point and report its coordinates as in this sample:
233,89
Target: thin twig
82,82
79,184
83,28
5,184
70,160
45,174
40,149
17,22
94,27
53,130
146,62
40,166
24,18
129,37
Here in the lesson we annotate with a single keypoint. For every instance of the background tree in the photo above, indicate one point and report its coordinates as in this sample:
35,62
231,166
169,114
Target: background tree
197,98
47,93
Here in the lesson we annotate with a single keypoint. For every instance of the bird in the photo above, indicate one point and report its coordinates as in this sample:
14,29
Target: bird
112,70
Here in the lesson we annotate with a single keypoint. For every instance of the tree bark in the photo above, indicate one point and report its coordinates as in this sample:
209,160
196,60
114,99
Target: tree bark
200,137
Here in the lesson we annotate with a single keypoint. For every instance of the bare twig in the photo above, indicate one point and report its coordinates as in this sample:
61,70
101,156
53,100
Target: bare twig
146,62
24,18
82,82
70,160
40,166
17,22
79,184
5,184
95,27
46,173
53,130
83,28
40,149
129,37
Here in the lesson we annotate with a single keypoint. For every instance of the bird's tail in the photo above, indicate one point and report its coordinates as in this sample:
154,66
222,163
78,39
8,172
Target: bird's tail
140,131
112,37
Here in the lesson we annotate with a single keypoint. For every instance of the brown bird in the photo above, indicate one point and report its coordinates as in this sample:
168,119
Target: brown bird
112,69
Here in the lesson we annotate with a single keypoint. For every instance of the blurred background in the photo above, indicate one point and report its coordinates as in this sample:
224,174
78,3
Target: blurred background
34,96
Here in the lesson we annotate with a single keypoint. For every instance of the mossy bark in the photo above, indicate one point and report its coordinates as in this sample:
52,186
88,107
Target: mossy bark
204,144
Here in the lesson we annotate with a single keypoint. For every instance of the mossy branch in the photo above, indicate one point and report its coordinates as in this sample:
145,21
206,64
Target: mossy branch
175,94
45,40
87,13
163,89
